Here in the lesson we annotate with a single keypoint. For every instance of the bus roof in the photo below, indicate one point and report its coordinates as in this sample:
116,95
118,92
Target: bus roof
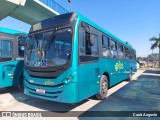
66,18
103,30
13,32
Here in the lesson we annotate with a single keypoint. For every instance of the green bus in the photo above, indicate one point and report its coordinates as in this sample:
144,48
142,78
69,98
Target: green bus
12,44
68,58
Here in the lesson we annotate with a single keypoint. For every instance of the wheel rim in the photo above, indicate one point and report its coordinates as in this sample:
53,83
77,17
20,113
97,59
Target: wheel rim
104,88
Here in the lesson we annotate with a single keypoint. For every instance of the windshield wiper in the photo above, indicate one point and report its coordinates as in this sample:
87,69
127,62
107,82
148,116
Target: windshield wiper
53,35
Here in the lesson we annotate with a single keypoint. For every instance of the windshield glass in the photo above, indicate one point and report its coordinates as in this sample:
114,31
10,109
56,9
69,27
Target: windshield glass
52,48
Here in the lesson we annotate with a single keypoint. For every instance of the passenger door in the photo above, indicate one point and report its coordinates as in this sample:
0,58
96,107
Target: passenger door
88,64
7,74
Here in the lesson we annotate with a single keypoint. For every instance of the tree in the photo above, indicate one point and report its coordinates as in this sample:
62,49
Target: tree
139,58
156,44
153,57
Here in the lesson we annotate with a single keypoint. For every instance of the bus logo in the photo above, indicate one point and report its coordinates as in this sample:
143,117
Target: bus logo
49,83
118,66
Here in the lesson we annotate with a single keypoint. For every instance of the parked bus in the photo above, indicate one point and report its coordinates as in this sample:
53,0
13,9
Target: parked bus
68,58
11,57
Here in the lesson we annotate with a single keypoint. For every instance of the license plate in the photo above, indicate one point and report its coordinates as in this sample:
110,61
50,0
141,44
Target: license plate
40,90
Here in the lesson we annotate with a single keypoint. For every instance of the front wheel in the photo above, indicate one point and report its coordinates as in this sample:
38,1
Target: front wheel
103,88
20,85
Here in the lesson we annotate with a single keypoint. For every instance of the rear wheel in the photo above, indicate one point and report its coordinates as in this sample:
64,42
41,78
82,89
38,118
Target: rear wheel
103,88
130,75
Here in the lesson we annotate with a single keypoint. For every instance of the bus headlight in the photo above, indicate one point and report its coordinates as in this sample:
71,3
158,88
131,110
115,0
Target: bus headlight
67,81
70,78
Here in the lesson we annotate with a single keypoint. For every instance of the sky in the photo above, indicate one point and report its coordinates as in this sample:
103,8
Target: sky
134,21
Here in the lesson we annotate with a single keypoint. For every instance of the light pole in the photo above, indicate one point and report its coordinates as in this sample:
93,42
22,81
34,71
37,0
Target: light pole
70,2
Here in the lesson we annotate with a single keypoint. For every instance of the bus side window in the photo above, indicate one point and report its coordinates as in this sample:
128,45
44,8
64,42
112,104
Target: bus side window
134,55
113,49
88,46
94,44
105,46
127,53
91,44
130,54
120,51
5,49
82,41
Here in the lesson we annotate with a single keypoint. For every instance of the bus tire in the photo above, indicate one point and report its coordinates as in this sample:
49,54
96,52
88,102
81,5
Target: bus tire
130,75
103,88
20,84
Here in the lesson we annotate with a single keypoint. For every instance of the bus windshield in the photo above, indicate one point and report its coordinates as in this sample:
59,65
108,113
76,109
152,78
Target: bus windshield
51,48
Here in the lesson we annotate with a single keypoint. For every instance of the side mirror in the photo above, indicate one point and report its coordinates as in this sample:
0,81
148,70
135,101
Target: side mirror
85,26
22,40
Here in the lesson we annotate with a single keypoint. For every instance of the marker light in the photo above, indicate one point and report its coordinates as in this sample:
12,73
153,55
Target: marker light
11,75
